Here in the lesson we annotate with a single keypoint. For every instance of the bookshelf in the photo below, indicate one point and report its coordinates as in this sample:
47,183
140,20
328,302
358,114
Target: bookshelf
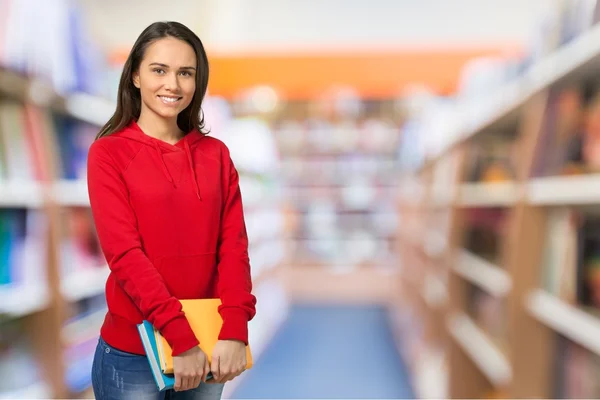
516,314
53,274
339,162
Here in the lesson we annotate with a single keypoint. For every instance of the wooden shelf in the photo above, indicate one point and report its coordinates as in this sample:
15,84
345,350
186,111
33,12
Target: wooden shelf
434,292
488,194
82,106
91,109
430,375
493,279
85,283
435,244
482,351
20,194
575,61
568,320
564,190
17,301
37,390
71,193
86,328
518,110
441,200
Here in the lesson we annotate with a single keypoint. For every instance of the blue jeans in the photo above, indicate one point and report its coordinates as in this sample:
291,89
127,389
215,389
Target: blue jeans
119,375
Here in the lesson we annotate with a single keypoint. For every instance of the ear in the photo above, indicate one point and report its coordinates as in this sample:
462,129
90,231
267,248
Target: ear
136,79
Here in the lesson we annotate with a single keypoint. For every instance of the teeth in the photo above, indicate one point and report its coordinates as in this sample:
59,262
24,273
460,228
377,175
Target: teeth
169,99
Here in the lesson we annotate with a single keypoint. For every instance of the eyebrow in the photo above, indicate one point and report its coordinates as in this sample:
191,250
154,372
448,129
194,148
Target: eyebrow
166,66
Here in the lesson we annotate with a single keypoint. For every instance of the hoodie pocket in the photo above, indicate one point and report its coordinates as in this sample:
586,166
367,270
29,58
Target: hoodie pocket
190,277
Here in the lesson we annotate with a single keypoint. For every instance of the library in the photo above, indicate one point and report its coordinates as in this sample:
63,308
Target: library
421,193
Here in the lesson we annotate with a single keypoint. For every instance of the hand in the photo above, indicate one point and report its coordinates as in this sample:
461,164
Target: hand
228,360
190,367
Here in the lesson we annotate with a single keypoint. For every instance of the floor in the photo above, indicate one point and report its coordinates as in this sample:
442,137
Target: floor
330,352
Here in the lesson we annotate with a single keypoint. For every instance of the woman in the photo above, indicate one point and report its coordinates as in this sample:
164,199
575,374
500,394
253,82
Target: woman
168,212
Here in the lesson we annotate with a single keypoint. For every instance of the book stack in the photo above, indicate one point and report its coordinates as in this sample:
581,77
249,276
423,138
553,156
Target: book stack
205,320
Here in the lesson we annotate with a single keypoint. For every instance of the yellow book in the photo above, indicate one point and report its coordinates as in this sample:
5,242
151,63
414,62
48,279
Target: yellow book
206,322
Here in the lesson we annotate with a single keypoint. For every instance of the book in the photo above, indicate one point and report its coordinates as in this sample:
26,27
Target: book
163,381
204,318
206,322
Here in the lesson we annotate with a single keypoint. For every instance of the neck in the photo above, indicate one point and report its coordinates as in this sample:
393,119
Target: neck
160,128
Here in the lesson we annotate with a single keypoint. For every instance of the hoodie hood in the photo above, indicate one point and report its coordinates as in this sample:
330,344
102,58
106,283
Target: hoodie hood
179,154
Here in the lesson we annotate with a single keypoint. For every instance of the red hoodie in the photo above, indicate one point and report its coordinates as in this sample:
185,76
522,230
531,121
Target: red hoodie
170,222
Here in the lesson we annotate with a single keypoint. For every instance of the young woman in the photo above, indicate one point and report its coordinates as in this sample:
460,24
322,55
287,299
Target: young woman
168,212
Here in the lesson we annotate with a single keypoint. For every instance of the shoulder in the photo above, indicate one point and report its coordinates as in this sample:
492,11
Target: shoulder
213,142
100,148
113,148
213,147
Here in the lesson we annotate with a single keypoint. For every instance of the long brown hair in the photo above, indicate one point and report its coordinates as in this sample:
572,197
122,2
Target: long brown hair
129,101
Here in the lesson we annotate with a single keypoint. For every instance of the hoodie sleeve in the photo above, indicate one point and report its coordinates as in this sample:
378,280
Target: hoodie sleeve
120,241
235,284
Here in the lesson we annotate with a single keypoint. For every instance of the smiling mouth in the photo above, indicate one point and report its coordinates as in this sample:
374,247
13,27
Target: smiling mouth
169,99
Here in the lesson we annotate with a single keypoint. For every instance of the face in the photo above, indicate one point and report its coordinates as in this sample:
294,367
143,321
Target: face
167,77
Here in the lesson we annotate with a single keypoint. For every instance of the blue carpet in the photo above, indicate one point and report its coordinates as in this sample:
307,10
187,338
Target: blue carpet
330,352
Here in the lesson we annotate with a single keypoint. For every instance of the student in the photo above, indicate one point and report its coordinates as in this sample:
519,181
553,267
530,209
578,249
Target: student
168,212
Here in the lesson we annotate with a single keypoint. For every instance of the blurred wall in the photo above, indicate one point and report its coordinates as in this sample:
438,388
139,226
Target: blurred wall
117,23
289,24
250,25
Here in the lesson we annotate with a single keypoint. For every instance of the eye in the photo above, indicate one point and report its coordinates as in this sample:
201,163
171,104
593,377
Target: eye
186,73
159,71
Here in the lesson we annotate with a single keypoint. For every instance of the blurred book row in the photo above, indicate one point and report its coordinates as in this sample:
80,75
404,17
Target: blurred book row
569,143
338,159
322,137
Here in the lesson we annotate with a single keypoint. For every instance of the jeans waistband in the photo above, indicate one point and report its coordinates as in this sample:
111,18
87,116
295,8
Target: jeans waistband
111,349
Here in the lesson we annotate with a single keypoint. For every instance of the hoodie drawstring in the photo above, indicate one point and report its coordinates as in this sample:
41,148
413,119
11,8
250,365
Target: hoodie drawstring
163,165
188,153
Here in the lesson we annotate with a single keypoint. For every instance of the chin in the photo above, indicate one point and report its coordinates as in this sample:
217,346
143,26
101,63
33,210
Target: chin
168,114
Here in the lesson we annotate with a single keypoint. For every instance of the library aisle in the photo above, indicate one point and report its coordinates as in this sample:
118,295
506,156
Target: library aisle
423,221
330,351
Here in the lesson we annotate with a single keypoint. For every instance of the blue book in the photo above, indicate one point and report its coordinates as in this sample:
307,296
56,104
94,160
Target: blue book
163,381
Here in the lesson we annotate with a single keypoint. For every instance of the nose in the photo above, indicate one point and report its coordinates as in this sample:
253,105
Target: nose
171,82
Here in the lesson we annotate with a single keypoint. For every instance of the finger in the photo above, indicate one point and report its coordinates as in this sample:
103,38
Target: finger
231,376
237,371
185,383
221,379
224,377
177,385
220,374
206,370
196,382
214,368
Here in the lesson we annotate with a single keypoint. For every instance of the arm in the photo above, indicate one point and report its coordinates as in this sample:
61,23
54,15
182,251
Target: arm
120,241
235,284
